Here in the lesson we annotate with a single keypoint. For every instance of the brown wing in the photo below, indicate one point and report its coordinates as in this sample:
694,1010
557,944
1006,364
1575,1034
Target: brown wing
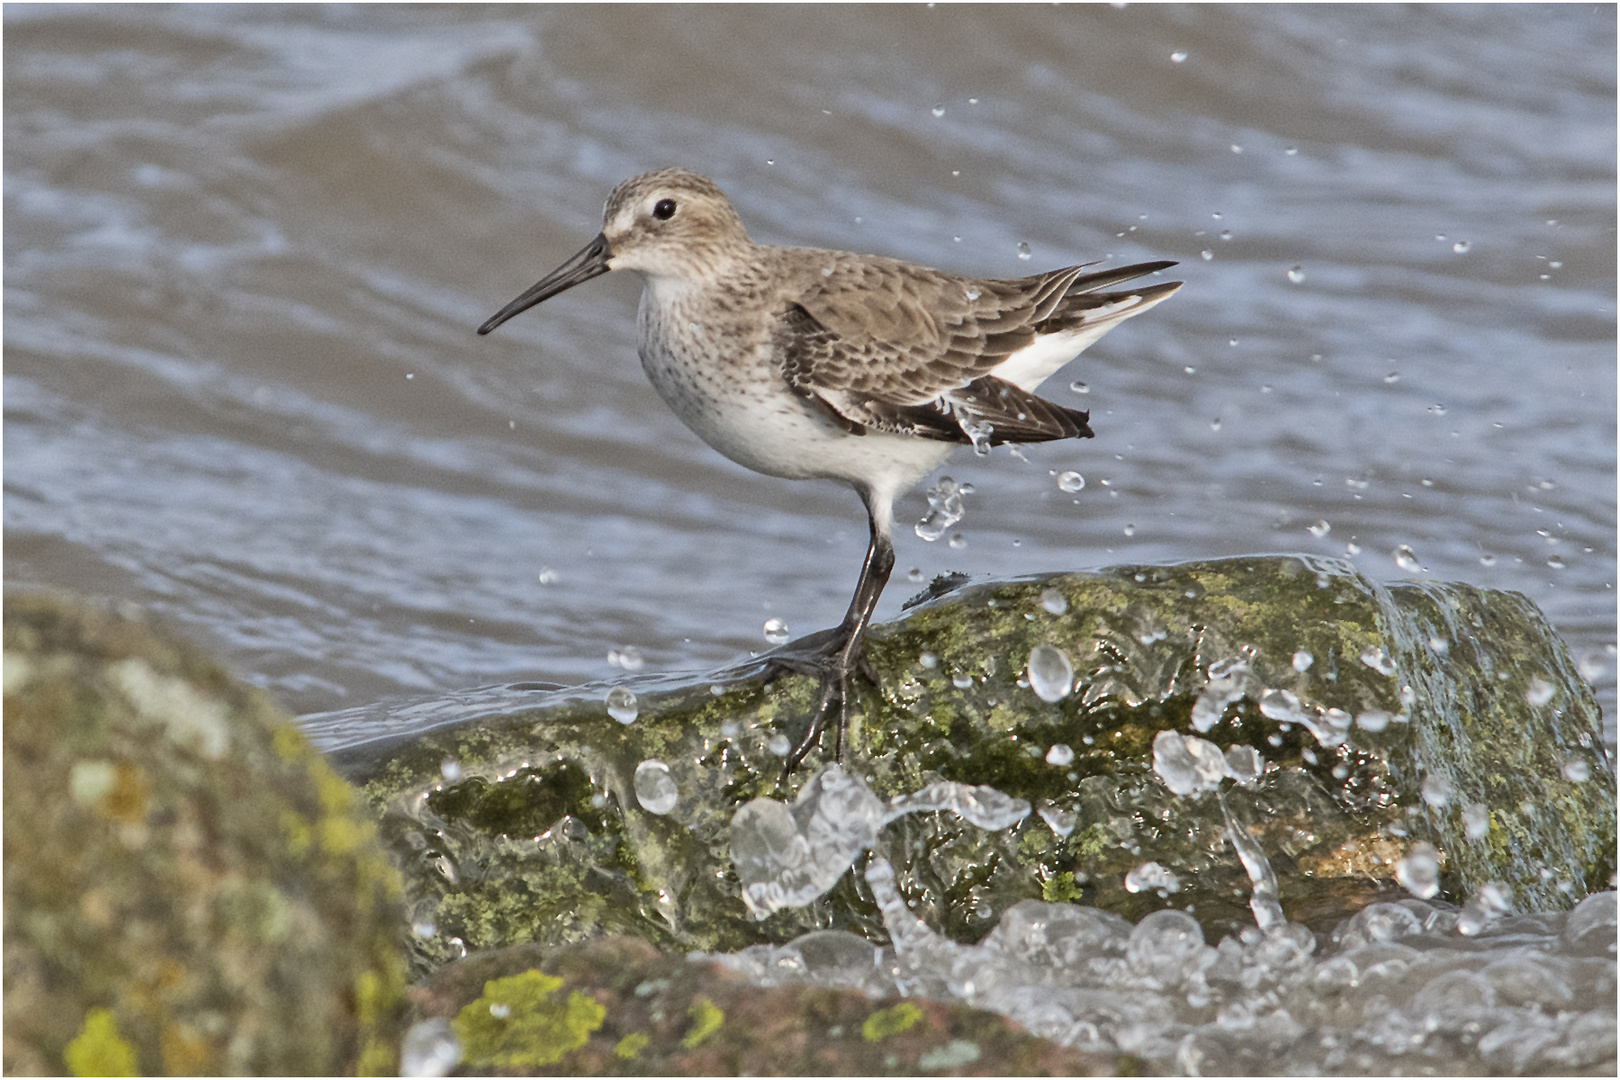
883,345
992,409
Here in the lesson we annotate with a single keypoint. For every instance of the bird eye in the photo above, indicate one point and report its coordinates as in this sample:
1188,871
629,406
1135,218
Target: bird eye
664,209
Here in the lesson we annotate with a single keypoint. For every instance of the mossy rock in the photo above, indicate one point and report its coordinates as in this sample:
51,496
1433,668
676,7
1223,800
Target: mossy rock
189,889
620,1007
1388,716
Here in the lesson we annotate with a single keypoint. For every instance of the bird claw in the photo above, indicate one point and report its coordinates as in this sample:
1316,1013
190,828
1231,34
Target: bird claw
829,657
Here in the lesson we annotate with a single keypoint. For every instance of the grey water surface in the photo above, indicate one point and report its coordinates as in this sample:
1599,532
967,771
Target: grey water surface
246,248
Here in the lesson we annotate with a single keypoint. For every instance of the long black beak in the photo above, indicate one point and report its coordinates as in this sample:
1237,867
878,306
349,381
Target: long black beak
592,261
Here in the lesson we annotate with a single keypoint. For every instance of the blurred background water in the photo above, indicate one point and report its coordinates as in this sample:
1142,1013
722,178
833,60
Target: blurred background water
246,249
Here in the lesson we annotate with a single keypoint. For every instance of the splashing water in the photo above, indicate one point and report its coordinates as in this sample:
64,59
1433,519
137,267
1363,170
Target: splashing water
786,856
776,631
1407,987
944,509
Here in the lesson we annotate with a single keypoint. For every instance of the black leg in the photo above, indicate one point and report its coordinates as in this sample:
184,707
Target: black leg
835,677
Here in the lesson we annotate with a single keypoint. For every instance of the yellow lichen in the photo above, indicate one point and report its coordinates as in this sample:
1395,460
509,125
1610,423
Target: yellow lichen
706,1020
517,1025
98,1049
892,1021
631,1045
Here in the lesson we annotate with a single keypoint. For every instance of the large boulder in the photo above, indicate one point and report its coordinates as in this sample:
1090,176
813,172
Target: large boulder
189,889
1370,739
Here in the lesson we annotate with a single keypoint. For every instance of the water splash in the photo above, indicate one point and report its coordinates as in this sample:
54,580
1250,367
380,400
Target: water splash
944,509
776,632
787,856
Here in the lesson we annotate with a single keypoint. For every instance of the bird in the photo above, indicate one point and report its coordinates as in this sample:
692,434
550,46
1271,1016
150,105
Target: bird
805,363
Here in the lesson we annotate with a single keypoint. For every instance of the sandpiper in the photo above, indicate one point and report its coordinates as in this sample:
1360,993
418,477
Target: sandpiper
803,363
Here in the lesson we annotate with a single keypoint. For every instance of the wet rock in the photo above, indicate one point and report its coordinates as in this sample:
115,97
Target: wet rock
1355,721
619,1006
189,889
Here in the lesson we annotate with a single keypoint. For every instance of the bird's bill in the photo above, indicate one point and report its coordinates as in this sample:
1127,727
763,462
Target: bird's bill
591,261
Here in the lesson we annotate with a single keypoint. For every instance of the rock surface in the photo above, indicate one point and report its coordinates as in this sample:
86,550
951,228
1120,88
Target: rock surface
619,1007
189,889
1372,740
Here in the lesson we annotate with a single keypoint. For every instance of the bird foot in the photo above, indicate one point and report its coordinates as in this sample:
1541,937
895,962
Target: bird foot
831,657
816,655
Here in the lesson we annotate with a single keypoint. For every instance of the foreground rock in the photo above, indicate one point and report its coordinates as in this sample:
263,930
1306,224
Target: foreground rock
619,1007
188,888
1373,740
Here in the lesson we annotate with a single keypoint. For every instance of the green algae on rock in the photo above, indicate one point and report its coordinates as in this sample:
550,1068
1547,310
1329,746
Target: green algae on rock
188,888
1363,719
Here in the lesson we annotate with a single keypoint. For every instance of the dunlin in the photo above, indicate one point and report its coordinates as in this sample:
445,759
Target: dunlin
804,363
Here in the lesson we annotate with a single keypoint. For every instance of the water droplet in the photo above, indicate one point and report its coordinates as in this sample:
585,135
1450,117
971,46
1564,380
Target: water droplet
1476,821
1303,660
1187,764
424,928
1079,387
961,680
928,660
1024,251
1054,601
1461,247
776,631
1374,658
630,658
1406,558
1393,377
430,1048
621,705
500,1010
1130,529
548,576
914,574
1215,424
1540,692
655,787
1060,755
938,110
1071,481
1207,254
957,542
1179,56
1577,770
973,294
1555,563
1487,560
1152,876
1319,530
1419,872
1290,150
1296,274
1058,820
1051,675
944,510
1244,764
1436,790
779,745
450,769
